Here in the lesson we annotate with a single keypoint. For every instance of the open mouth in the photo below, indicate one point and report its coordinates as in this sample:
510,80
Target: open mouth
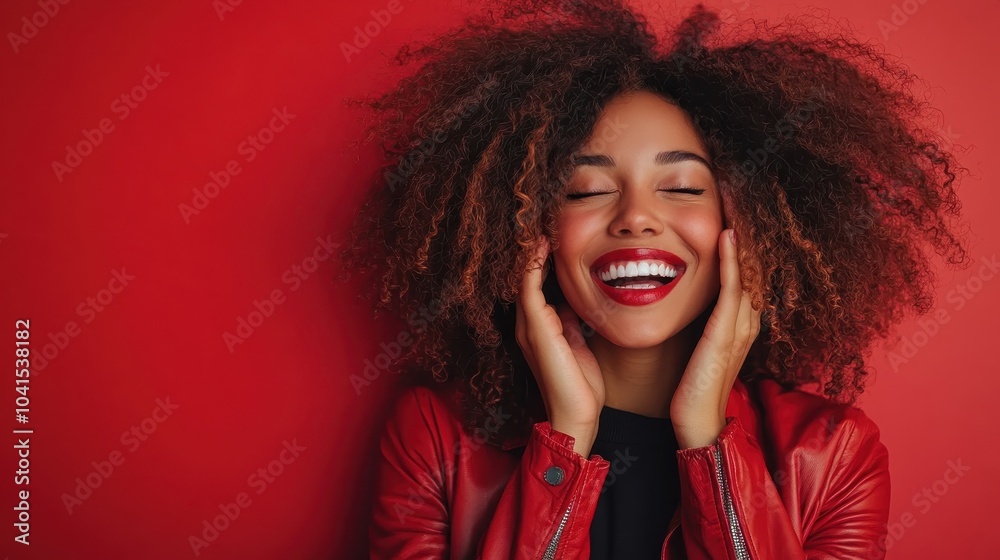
642,275
639,284
637,275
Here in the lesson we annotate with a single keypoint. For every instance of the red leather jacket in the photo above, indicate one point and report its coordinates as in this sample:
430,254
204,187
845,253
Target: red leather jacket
792,476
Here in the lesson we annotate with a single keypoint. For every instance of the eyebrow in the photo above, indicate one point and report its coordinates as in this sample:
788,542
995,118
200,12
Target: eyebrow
662,158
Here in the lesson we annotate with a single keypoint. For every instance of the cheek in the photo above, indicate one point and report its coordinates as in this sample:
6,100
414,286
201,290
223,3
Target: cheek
574,230
570,221
701,230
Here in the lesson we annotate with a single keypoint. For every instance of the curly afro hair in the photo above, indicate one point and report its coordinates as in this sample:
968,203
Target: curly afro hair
834,178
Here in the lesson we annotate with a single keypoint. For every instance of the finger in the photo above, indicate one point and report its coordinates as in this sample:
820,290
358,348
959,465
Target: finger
520,326
747,326
748,318
726,212
531,286
726,310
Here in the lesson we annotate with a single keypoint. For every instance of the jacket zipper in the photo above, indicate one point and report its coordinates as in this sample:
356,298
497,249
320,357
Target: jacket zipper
734,525
550,551
727,502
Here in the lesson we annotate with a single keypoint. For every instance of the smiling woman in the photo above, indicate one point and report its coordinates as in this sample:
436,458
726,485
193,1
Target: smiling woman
640,251
652,191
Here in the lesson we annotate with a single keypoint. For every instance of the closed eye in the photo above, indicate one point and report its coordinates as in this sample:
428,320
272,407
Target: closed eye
575,196
682,190
686,190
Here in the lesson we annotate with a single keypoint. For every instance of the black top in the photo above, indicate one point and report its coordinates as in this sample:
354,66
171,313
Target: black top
642,488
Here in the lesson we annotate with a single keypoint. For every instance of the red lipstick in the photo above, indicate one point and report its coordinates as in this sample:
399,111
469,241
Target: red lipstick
632,296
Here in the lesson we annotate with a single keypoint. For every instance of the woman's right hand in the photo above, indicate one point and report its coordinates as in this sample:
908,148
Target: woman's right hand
568,375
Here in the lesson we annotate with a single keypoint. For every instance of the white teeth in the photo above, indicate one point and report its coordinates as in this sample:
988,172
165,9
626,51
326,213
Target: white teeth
637,268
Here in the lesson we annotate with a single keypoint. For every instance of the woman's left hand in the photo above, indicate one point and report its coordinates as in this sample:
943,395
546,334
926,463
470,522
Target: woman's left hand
698,407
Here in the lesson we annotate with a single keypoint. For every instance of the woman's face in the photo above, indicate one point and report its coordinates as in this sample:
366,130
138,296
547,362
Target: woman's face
650,209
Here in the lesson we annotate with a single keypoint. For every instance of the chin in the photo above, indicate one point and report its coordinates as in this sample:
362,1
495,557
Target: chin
638,337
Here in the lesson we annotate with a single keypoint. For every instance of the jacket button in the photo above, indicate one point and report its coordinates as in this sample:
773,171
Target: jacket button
554,476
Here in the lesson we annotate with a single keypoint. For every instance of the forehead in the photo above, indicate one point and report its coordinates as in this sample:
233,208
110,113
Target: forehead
642,119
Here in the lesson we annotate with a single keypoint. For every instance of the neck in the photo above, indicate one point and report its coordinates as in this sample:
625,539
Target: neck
643,380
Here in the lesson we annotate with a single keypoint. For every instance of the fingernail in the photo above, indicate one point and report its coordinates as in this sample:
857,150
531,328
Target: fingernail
732,235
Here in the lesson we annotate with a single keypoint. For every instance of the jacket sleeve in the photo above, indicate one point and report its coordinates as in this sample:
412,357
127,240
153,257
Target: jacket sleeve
731,508
410,513
547,506
544,511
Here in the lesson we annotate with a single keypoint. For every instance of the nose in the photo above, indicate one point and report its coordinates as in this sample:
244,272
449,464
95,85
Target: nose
636,215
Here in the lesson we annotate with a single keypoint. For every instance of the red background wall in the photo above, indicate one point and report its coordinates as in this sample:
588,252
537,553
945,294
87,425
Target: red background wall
123,356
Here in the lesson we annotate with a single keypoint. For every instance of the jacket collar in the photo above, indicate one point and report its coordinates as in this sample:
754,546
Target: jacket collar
738,406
